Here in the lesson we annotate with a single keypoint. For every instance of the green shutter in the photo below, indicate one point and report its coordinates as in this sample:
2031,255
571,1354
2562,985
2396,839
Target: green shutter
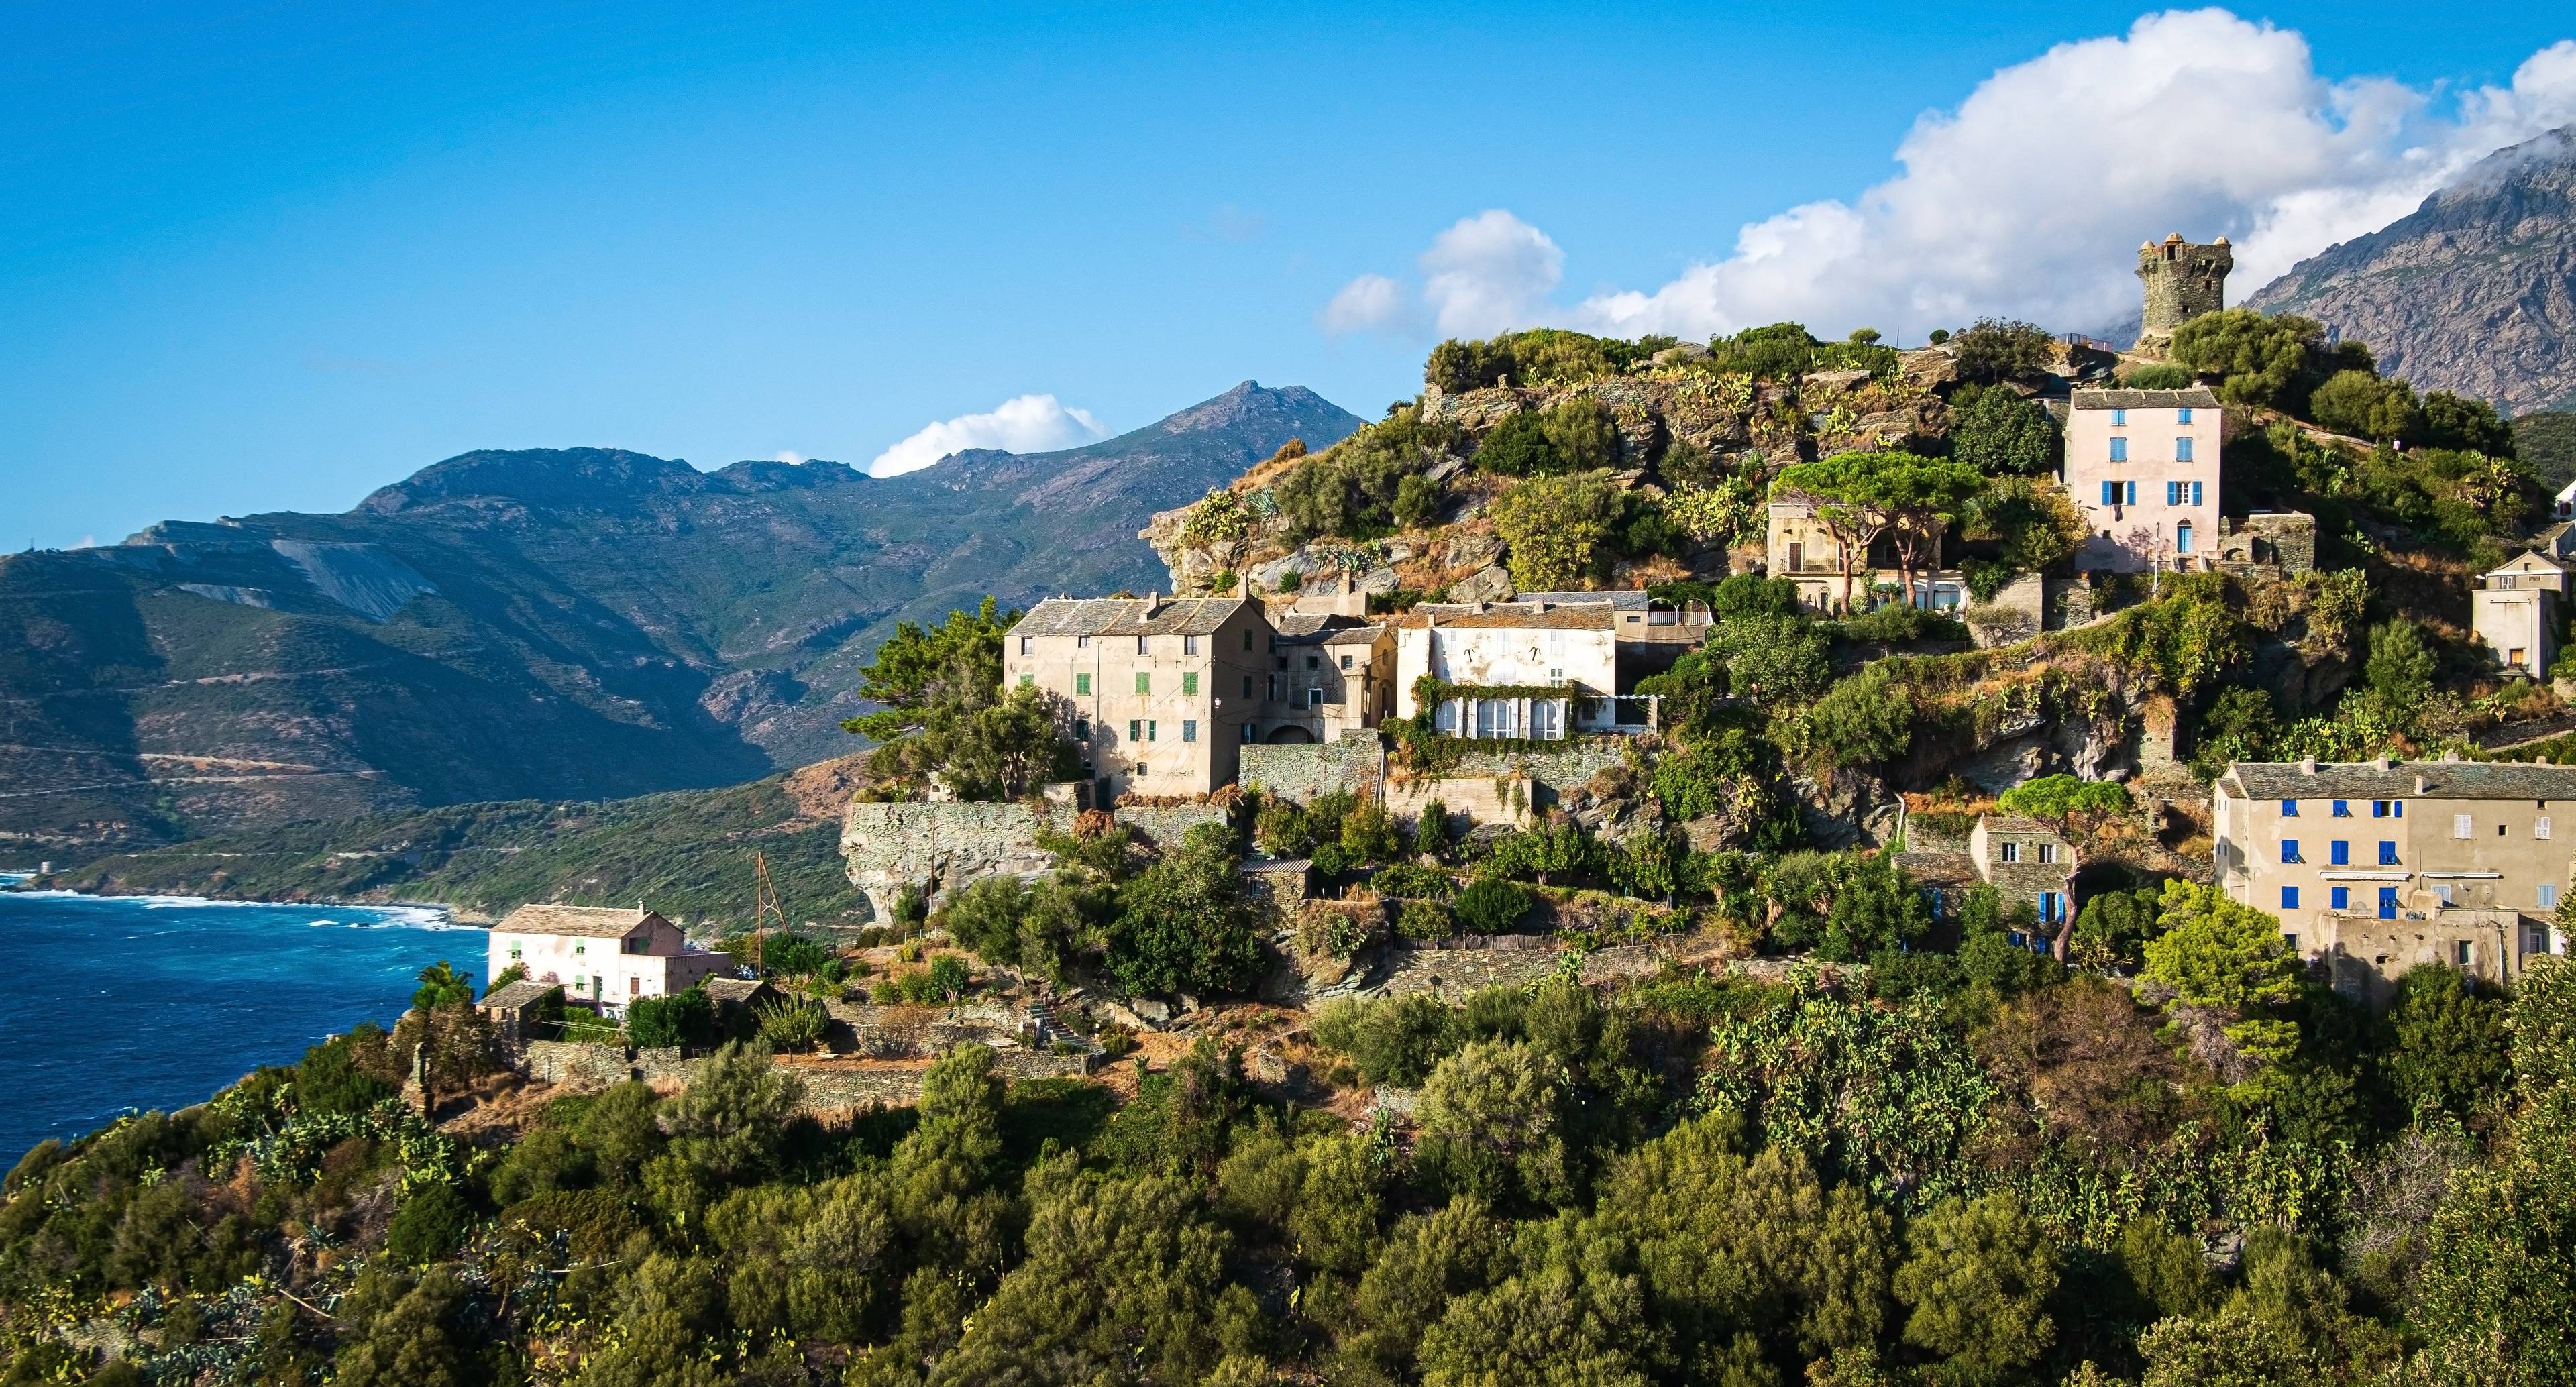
1144,682
1082,685
1190,682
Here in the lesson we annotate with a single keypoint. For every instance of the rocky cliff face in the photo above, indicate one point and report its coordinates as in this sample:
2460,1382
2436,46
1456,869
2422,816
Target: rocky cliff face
2474,292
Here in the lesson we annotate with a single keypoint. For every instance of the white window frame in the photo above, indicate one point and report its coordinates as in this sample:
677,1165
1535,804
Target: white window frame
2463,826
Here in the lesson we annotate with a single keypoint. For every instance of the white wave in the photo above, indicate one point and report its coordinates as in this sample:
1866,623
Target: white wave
424,917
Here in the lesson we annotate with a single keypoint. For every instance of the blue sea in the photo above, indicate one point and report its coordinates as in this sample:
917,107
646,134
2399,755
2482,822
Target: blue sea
111,1003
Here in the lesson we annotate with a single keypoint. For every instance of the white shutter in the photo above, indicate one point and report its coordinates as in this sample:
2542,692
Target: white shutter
2460,826
2540,828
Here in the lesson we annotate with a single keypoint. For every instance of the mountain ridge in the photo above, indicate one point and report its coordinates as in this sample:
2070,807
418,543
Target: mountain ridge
541,623
2473,292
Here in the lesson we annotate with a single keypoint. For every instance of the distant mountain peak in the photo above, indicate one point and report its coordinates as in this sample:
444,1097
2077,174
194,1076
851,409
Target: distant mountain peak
2473,292
554,477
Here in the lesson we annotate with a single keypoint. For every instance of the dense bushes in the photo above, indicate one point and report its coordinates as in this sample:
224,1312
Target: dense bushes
1368,483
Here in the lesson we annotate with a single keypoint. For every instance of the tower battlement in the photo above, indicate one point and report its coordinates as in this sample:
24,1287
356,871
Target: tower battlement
2183,281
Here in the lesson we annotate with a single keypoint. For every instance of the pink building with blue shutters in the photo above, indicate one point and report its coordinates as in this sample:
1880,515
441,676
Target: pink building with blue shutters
2142,467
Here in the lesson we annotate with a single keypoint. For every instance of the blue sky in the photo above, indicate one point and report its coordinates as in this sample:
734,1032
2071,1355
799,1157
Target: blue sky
265,257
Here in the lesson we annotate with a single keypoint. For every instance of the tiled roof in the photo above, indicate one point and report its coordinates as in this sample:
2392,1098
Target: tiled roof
1128,616
2374,780
518,994
586,921
735,990
2196,397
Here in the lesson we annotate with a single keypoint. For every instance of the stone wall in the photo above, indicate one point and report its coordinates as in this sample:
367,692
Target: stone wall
830,1086
937,848
1356,764
586,1068
2279,542
1480,800
1167,824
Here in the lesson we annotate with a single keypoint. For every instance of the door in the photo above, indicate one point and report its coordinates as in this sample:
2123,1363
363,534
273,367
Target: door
1797,558
2388,902
1546,719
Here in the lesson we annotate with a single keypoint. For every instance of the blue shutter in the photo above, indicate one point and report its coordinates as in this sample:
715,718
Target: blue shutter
2289,898
2133,493
2119,450
2110,493
2182,449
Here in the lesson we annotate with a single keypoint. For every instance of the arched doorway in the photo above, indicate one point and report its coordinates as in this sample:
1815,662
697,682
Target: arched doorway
1291,736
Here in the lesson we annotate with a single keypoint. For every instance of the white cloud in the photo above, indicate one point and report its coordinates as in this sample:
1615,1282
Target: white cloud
1490,273
792,459
2030,198
1027,424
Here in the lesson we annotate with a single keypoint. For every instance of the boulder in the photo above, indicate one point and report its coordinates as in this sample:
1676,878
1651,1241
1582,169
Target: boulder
1488,584
1474,550
1269,576
1378,580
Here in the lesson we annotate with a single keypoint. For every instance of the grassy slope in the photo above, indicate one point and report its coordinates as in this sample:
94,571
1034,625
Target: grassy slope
686,853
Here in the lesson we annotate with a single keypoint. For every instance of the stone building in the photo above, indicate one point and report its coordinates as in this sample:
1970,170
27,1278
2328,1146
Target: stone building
1329,674
2326,845
1505,659
604,957
2363,955
2278,543
2182,281
2142,468
1162,690
1800,548
2514,613
2025,860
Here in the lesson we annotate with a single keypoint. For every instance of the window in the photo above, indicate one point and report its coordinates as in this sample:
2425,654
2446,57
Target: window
2460,953
2052,907
1314,662
1346,662
2387,853
2119,450
2540,828
1276,684
2289,809
2012,852
1027,679
2048,852
2461,827
1189,645
1135,729
1315,697
1144,682
2183,415
1247,638
2119,416
1082,686
1189,681
1189,729
1143,770
2182,493
1024,644
1082,729
2290,850
2292,940
1082,642
2182,450
1250,734
2339,853
2289,898
2379,809
2549,895
2339,897
1144,645
2343,809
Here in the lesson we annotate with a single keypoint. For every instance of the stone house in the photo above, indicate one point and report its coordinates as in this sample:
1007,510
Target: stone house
2023,859
1329,674
2514,613
2142,468
1162,690
600,956
2363,955
1505,660
515,1010
2325,846
1799,547
2279,544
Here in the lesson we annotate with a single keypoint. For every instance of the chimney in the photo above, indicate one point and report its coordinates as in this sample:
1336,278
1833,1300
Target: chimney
2307,765
2388,763
2420,786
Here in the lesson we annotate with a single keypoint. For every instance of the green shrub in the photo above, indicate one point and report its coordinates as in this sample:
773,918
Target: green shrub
1424,920
1490,905
1413,880
1999,349
947,976
431,1222
1999,433
686,1017
2158,377
792,1025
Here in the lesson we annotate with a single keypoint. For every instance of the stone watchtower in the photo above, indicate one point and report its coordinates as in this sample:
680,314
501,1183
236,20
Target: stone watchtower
2183,282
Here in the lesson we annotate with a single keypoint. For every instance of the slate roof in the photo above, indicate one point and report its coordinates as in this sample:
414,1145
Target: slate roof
2196,397
584,921
1938,868
1509,616
517,995
736,990
2374,780
1128,616
2016,823
1622,599
1354,635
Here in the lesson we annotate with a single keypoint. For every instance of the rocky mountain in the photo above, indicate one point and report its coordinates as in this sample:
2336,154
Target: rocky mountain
547,624
2474,292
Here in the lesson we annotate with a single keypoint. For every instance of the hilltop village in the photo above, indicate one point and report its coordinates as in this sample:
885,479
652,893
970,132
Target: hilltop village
2014,860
